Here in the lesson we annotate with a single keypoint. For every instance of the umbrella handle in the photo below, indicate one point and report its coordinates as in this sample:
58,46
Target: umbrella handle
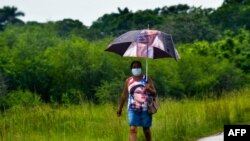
147,60
146,70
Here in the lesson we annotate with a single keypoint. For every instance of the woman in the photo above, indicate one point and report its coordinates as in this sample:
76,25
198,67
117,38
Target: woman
137,90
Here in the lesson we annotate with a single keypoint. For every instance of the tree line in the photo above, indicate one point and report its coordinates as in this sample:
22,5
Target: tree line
185,23
65,62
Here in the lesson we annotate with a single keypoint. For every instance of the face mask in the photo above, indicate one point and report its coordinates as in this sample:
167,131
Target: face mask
136,71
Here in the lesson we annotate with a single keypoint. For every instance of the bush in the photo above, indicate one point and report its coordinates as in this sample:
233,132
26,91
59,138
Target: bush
194,76
110,91
228,78
73,96
3,87
202,75
19,98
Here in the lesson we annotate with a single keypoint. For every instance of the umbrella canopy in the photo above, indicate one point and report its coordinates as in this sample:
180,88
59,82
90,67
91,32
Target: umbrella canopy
144,43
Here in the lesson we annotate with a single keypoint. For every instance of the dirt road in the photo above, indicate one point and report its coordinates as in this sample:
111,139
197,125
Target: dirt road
217,137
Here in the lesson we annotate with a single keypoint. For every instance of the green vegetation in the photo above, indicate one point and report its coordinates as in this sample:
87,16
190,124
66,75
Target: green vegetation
187,119
73,69
9,15
56,80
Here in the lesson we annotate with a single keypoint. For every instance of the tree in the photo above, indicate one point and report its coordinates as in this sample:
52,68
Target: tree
118,23
188,24
233,15
68,26
9,15
175,9
229,2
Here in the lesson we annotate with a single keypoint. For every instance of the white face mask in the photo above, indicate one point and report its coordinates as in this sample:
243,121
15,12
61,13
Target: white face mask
136,71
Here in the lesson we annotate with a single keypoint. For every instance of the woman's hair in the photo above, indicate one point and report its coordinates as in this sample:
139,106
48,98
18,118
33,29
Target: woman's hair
138,62
132,90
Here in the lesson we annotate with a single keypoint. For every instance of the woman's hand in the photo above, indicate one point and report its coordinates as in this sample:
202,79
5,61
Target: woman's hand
148,87
119,112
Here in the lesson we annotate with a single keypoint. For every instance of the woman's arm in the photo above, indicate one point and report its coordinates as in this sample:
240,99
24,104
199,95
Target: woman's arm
123,98
150,86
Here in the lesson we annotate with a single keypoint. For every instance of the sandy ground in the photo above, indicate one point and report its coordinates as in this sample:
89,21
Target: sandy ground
217,137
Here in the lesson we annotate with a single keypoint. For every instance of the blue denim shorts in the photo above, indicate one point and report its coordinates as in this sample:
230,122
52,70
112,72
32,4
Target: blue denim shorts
139,118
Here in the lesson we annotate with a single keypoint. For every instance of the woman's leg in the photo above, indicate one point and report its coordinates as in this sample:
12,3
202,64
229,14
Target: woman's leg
132,136
147,133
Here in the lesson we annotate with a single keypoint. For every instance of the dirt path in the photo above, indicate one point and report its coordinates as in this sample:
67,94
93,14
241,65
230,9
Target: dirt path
216,137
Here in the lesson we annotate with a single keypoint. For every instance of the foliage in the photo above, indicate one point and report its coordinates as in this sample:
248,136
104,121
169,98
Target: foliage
109,91
176,20
72,96
196,76
237,10
34,57
188,24
64,61
3,87
234,48
9,15
19,98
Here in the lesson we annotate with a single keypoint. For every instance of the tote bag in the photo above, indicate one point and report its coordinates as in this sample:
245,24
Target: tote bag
153,104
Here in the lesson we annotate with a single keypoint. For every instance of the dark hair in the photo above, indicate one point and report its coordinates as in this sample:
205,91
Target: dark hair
138,62
132,90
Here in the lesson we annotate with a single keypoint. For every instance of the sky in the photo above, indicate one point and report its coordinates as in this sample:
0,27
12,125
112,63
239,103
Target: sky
88,11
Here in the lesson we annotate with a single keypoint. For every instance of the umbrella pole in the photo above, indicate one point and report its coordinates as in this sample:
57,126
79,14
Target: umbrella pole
146,69
147,59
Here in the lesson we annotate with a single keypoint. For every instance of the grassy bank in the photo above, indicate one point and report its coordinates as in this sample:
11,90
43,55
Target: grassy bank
176,120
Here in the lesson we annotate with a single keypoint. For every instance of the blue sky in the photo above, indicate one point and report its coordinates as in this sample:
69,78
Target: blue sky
88,11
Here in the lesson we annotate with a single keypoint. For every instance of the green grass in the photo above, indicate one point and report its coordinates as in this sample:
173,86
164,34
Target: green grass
175,121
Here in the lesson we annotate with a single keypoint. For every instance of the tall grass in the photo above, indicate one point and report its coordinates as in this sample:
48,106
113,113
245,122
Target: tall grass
175,120
190,119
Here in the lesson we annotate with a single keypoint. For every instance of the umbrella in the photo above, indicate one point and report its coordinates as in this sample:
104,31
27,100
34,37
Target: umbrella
144,43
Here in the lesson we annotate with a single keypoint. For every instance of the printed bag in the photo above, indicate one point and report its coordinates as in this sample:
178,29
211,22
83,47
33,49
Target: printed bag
153,104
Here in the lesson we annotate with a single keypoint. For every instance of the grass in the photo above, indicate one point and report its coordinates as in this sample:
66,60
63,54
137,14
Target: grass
182,120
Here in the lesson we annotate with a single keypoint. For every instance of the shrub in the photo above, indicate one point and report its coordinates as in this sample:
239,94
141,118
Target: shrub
109,91
20,98
73,96
3,87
